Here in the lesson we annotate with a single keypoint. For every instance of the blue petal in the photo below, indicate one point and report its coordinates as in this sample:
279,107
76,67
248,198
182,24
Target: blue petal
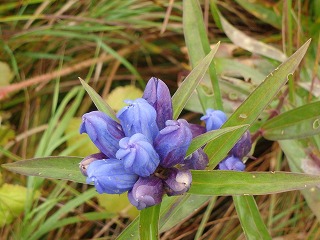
109,176
139,117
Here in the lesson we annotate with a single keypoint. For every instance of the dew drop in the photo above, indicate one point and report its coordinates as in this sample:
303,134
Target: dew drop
243,115
316,124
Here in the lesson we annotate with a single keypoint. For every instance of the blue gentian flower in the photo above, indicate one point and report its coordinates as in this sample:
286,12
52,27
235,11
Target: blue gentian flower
83,165
109,176
103,131
198,160
146,192
172,142
232,163
158,96
178,181
145,153
214,119
138,155
139,117
243,146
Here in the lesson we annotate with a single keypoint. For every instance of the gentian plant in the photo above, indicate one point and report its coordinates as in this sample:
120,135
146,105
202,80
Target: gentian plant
148,152
144,154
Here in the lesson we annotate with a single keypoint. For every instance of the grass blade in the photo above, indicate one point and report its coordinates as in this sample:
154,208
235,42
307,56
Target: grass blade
250,218
182,95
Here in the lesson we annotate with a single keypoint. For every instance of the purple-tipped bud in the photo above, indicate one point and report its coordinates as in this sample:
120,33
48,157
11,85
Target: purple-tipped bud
146,192
103,131
232,163
172,142
214,119
158,95
243,146
138,155
109,176
196,129
84,164
139,117
178,181
198,160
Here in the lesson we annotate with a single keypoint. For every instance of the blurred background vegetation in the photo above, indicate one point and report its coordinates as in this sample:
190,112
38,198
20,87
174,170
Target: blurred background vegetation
117,46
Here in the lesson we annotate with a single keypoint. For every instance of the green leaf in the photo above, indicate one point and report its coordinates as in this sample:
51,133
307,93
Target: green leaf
149,222
12,201
202,139
181,96
300,122
250,218
225,183
252,107
98,101
198,47
6,74
66,168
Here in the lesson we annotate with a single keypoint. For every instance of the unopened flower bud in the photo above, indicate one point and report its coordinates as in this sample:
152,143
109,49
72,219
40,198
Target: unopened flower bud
198,160
232,163
146,192
172,142
158,95
109,176
138,155
139,117
103,131
196,129
84,164
178,181
214,119
243,146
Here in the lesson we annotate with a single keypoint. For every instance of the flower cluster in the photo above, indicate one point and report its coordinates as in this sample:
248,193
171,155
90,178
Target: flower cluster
214,119
144,151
